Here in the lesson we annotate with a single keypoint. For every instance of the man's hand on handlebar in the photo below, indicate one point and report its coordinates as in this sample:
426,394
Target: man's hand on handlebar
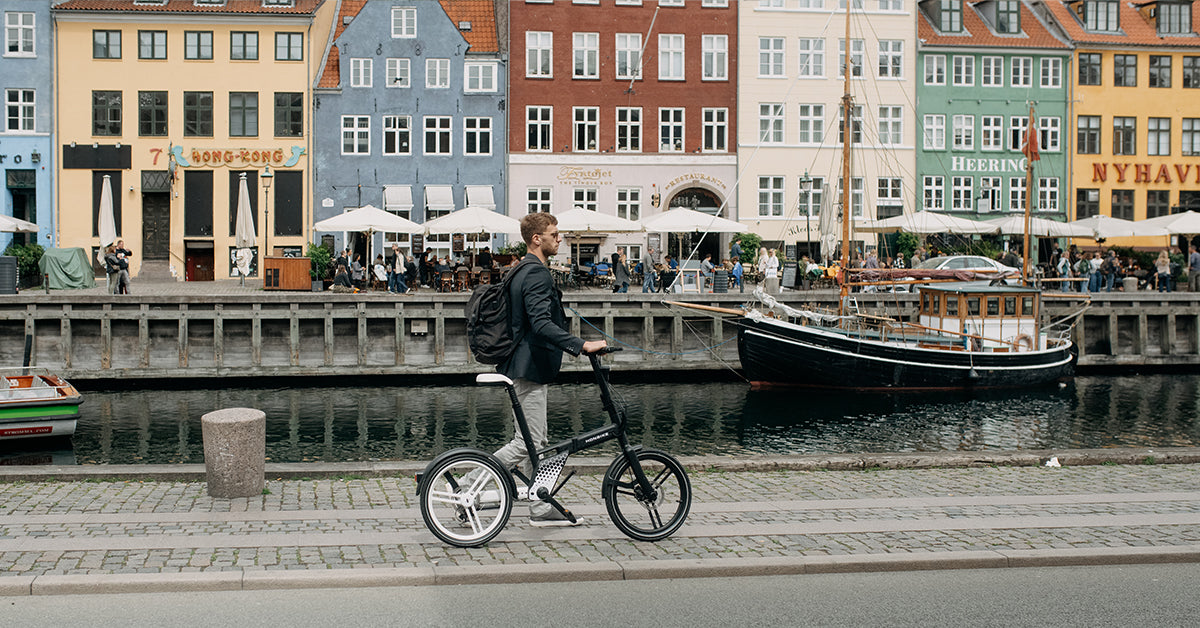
592,346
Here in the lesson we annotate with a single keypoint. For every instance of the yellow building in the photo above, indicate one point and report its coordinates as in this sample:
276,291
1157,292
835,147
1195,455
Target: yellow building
1136,125
172,101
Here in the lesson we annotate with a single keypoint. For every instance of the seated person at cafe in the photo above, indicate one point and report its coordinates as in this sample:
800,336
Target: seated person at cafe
485,258
341,280
667,275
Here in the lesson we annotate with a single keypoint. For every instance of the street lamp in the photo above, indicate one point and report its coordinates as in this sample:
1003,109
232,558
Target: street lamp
267,178
805,190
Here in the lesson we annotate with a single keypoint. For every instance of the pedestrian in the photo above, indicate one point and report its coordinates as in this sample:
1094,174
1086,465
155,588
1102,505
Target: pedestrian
706,273
123,276
1094,270
648,274
771,272
737,274
112,267
1163,267
1193,269
397,266
620,274
538,320
916,257
735,249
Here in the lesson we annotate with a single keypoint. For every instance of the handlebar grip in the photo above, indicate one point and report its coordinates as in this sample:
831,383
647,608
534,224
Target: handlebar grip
606,350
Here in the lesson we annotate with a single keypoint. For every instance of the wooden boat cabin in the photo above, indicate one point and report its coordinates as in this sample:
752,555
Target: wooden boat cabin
982,317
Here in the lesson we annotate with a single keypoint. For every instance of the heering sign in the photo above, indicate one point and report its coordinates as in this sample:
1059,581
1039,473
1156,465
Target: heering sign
984,164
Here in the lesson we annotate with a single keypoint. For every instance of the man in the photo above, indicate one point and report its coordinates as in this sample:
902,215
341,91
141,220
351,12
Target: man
1193,269
396,266
735,249
537,318
916,257
706,273
485,258
648,271
423,265
123,276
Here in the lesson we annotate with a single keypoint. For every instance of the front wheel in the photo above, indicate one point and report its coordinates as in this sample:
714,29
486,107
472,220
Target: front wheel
466,497
649,516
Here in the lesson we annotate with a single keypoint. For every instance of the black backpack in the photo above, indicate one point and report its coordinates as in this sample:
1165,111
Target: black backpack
489,332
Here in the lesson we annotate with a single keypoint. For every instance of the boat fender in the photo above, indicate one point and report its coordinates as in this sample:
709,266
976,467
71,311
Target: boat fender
1023,340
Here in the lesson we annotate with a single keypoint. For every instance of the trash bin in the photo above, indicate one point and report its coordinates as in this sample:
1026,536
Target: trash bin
721,281
8,275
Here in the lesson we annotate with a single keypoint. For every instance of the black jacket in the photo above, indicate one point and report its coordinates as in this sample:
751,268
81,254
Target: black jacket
537,318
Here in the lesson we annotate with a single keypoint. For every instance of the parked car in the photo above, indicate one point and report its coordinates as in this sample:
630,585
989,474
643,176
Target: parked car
977,263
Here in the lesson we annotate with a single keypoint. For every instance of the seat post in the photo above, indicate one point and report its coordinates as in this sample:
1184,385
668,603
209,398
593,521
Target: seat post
523,425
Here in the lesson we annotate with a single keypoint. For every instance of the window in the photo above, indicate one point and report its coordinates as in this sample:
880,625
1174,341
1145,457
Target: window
629,129
770,123
1190,142
1100,15
152,44
770,4
538,199
716,129
243,46
629,203
1022,72
397,135
992,133
106,44
1160,71
964,132
289,46
243,114
477,136
480,77
1087,203
671,3
537,128
19,108
1048,194
1158,203
1191,72
1122,204
1174,18
715,52
1087,135
586,128
437,135
1050,133
951,17
770,196
152,114
1124,136
993,72
198,45
539,54
586,198
198,114
714,4
106,113
670,57
398,73
1125,70
437,73
19,35
289,114
587,55
1016,132
811,196
770,57
934,132
889,197
962,190
670,130
360,72
1158,136
856,196
891,125
891,58
887,5
811,123
629,56
855,125
812,58
857,46
404,22
1051,72
1016,194
1008,17
964,71
933,192
990,194
1090,68
935,69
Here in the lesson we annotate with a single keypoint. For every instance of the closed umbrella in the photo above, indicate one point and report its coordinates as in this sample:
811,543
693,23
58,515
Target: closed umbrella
108,225
243,234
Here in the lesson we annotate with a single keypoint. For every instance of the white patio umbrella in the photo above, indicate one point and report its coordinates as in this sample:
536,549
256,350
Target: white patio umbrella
108,223
8,224
243,233
473,219
1185,223
585,221
684,220
1105,227
371,220
1040,227
927,222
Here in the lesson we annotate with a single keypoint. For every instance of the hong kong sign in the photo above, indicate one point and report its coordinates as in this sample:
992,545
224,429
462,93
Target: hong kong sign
233,157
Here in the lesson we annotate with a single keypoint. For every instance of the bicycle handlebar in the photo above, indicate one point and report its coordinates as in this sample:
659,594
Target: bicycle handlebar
605,351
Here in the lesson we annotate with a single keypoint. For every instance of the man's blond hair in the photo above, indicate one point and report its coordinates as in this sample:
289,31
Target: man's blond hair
533,224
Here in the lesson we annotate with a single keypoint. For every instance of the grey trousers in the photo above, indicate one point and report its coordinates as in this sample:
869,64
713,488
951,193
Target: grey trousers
533,402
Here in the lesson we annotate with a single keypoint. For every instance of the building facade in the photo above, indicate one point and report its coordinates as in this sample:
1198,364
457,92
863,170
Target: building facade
627,108
410,117
984,66
170,102
26,145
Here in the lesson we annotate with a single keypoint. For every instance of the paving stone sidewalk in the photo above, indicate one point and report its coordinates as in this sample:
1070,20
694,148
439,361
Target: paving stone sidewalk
758,522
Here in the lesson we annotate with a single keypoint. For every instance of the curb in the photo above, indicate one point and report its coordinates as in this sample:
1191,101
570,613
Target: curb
259,580
799,462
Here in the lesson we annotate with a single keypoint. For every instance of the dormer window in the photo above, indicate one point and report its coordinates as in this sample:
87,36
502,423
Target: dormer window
211,2
279,3
1008,17
1101,15
1173,18
951,16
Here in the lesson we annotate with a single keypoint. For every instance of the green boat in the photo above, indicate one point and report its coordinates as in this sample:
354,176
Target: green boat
37,405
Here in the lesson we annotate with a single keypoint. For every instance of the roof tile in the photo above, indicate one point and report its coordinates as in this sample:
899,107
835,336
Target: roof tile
299,7
976,32
1136,30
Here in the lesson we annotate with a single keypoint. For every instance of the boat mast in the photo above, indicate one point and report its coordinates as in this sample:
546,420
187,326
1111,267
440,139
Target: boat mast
1031,135
847,141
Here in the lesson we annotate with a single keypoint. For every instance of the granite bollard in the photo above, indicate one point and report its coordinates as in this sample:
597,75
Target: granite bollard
235,450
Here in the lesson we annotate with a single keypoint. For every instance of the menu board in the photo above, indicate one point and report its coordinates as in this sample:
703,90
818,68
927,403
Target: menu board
789,275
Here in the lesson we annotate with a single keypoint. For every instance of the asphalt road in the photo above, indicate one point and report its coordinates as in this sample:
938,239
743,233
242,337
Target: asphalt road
1151,595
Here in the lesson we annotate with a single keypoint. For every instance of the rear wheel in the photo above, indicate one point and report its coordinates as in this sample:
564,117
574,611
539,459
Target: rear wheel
465,497
649,516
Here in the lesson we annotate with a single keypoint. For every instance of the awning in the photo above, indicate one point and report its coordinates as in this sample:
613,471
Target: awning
439,198
481,196
397,198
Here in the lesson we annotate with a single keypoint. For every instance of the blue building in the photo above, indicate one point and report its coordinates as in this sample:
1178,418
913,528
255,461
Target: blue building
26,146
409,117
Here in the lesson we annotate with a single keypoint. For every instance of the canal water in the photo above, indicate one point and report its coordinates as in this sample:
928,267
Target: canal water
308,422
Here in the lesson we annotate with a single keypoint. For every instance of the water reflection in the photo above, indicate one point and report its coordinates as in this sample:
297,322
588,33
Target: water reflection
315,423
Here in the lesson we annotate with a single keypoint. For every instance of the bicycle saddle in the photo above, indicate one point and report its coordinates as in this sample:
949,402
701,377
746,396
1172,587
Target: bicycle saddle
492,378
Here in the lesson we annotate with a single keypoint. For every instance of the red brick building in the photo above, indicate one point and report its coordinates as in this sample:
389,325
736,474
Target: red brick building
626,107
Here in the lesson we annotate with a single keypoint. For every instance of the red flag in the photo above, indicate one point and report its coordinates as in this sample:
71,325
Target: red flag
1031,142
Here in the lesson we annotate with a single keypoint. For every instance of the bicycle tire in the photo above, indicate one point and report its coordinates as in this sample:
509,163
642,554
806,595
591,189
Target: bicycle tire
637,516
466,497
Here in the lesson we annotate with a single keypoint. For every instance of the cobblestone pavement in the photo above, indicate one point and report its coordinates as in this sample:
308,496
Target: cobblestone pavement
131,527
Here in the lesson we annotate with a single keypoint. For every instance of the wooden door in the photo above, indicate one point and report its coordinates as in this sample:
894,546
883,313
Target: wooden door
156,226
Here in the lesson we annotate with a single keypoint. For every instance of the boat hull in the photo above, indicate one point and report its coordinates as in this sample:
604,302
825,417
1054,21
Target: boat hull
777,353
50,408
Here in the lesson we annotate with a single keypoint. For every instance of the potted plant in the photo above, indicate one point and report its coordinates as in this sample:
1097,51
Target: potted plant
320,259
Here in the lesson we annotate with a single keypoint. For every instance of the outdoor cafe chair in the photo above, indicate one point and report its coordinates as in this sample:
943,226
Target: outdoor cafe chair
446,281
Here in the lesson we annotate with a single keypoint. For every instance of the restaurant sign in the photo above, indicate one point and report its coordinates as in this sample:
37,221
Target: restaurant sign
234,157
1145,173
